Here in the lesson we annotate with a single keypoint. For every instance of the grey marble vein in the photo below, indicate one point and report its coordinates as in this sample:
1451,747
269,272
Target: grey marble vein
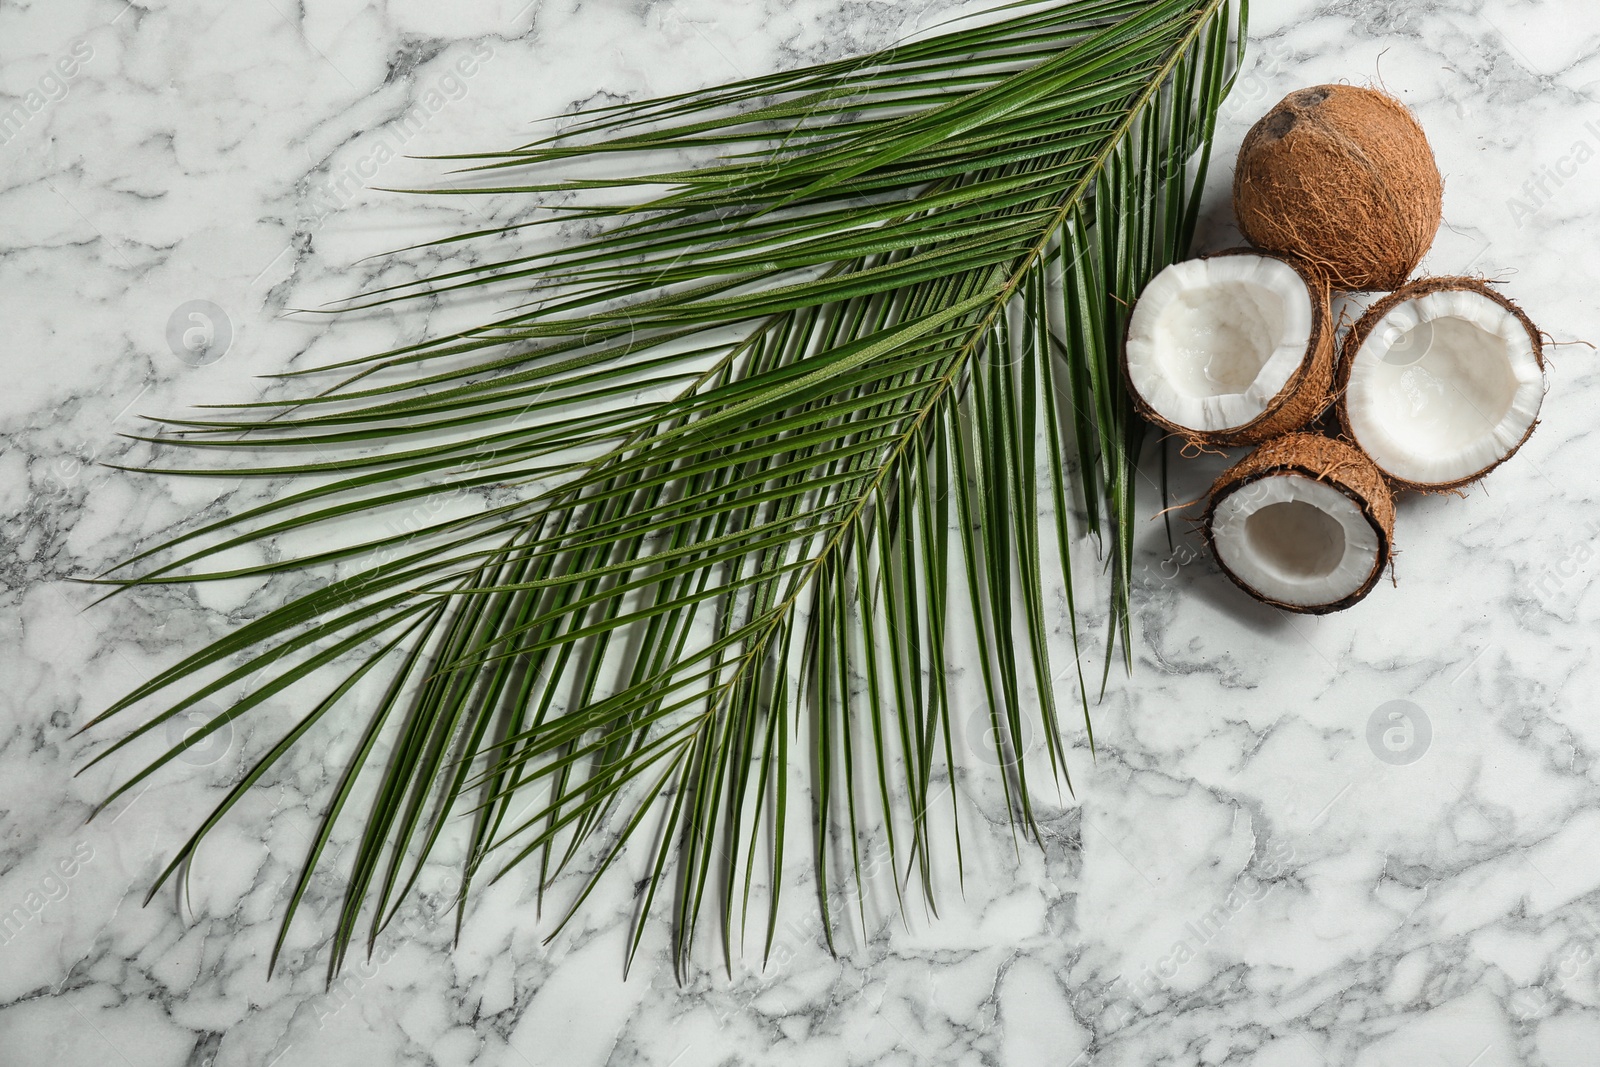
1249,873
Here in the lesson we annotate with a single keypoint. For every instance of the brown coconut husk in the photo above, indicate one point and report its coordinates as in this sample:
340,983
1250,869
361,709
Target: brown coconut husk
1358,334
1326,460
1303,397
1343,178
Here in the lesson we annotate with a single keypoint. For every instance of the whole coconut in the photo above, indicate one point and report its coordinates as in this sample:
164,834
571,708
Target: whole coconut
1342,178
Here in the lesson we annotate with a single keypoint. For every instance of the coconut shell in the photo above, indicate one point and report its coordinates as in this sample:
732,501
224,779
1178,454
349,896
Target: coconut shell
1303,397
1358,334
1343,178
1344,467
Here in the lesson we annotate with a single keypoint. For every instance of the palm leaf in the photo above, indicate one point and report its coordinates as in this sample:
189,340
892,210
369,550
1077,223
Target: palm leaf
745,458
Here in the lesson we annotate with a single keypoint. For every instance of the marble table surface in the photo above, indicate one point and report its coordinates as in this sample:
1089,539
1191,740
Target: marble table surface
1371,838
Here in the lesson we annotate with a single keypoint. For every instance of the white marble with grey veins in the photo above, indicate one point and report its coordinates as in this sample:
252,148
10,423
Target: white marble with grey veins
1241,879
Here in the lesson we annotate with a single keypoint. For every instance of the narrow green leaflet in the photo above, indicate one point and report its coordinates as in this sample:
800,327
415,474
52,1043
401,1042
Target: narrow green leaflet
705,510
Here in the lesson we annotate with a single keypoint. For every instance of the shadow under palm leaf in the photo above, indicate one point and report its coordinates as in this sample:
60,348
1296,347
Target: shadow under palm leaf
747,461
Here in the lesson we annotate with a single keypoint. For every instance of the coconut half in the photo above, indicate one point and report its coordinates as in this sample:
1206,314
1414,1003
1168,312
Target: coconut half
1441,382
1303,523
1232,349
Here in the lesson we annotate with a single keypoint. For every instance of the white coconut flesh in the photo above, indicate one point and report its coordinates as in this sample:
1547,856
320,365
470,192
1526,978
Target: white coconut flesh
1444,386
1212,342
1294,540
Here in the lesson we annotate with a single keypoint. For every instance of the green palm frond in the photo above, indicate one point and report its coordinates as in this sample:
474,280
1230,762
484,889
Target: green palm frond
743,460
